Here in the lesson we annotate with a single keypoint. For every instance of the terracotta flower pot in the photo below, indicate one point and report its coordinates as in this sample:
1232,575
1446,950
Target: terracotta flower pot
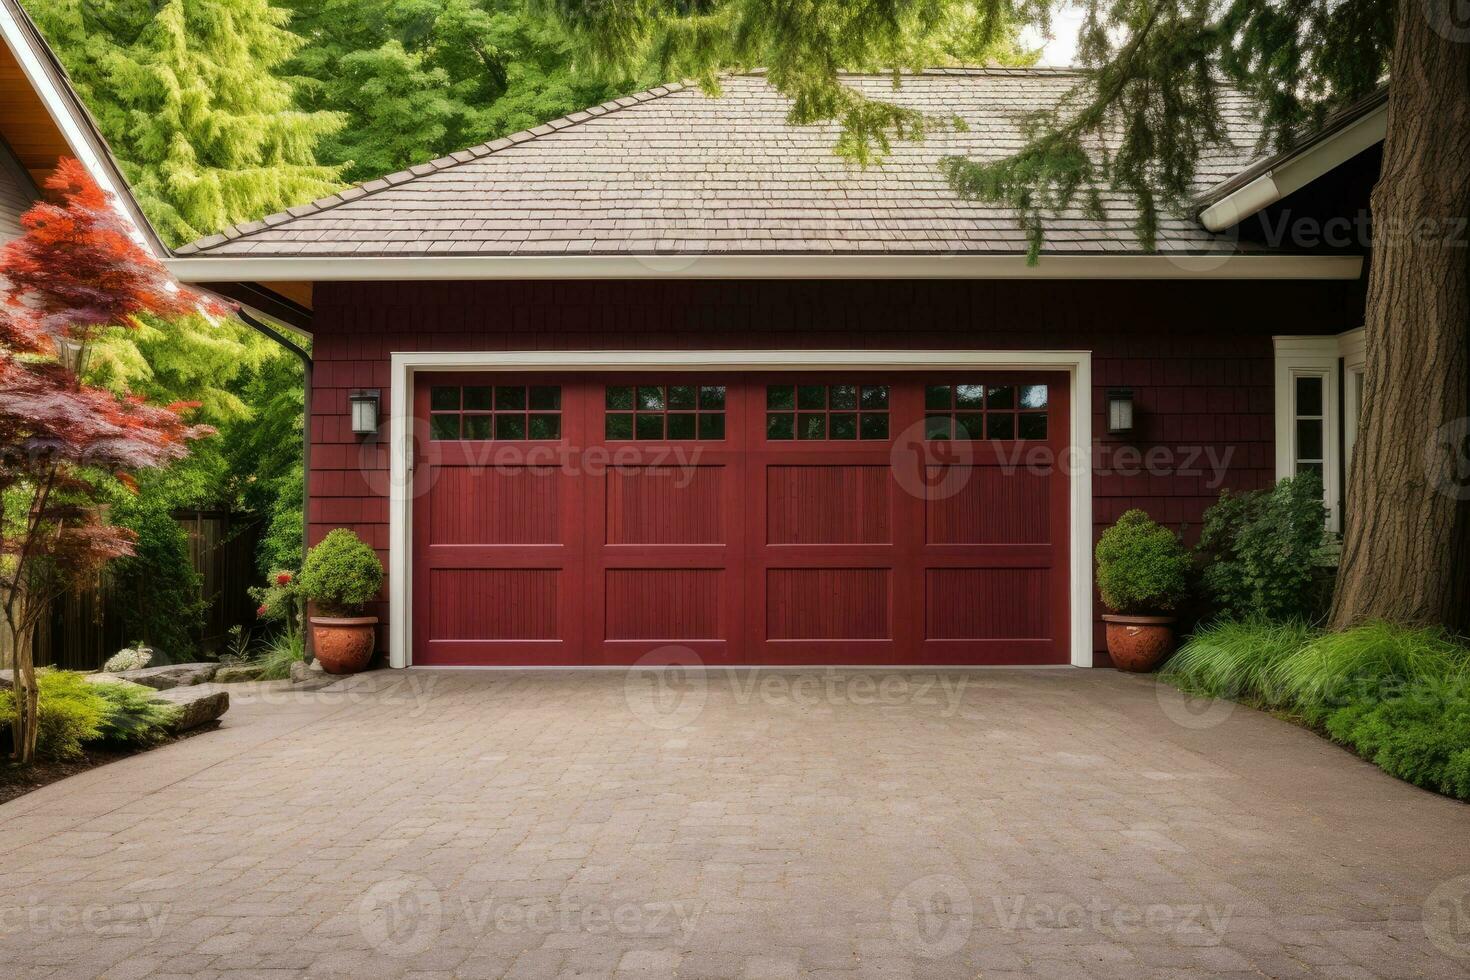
344,645
1139,643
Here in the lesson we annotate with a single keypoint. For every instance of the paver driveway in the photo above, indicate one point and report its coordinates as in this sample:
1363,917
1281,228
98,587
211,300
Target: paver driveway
1049,823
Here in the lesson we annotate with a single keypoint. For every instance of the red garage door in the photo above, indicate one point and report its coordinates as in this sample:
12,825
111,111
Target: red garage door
759,519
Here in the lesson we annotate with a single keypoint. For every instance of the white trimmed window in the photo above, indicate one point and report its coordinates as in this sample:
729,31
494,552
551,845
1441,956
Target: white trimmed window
1319,387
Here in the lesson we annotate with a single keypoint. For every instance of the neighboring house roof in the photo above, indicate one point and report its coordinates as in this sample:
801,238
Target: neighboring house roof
672,171
1313,153
42,119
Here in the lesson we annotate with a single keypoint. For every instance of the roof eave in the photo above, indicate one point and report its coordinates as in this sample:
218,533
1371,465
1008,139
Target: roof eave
1263,184
264,270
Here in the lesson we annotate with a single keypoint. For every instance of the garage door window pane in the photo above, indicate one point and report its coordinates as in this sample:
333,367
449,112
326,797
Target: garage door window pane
1000,426
1000,397
546,397
844,425
681,397
875,397
780,396
937,396
477,427
510,398
936,427
545,427
477,398
712,397
1033,396
444,427
1032,425
874,426
813,426
650,399
444,398
969,425
712,425
649,426
780,425
619,426
510,426
620,398
969,396
843,396
681,425
811,396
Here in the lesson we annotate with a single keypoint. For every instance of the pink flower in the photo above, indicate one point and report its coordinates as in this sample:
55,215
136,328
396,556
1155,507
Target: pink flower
261,611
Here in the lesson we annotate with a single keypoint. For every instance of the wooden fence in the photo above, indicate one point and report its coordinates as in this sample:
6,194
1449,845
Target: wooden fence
84,628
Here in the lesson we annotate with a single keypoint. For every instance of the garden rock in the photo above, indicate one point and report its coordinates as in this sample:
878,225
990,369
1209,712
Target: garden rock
310,676
196,707
235,673
166,676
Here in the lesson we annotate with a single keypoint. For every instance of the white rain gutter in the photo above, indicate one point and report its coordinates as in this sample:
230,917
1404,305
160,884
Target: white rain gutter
1296,172
1221,265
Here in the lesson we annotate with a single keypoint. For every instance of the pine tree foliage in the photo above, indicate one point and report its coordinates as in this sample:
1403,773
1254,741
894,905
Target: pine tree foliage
188,94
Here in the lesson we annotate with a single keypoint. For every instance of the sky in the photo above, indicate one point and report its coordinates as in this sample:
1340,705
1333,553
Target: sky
1062,48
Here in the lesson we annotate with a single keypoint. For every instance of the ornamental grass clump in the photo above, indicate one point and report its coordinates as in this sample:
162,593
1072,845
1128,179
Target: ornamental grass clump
1370,663
1237,659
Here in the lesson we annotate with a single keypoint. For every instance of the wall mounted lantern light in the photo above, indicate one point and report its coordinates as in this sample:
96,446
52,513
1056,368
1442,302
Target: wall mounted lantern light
1120,411
365,411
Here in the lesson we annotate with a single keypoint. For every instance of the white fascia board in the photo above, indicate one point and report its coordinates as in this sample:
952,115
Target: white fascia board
74,131
1297,172
448,268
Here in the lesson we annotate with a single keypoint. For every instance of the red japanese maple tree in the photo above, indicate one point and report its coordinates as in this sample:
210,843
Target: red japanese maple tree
75,273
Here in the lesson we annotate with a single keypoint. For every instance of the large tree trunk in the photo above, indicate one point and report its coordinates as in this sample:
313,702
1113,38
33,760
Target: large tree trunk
1406,552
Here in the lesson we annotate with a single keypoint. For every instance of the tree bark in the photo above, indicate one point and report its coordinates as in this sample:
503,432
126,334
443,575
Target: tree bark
1406,548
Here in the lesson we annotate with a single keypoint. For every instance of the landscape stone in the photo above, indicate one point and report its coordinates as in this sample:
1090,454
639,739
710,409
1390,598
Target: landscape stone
197,707
165,676
235,673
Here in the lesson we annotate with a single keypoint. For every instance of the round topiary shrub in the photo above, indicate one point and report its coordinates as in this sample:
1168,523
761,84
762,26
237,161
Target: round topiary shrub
341,574
1141,567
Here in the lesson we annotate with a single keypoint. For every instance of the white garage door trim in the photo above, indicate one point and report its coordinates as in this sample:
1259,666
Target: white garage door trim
1077,464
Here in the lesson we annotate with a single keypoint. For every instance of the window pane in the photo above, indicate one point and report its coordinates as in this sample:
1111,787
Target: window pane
444,426
780,396
1304,467
477,398
969,396
545,426
444,398
936,427
780,425
477,427
1000,426
969,425
1308,438
1033,396
936,396
649,426
712,425
510,426
620,398
1309,396
681,424
650,398
681,396
510,398
619,426
712,396
811,396
1000,396
874,426
812,426
843,425
875,396
546,397
843,396
1033,425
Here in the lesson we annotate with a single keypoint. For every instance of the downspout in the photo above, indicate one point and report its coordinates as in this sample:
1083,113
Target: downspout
272,333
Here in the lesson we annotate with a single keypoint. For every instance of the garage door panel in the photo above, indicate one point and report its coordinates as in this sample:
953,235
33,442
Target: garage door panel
666,505
832,503
664,604
508,603
987,505
495,505
987,604
829,603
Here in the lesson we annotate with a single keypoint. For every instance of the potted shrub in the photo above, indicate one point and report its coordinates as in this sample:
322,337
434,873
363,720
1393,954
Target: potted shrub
1142,574
341,574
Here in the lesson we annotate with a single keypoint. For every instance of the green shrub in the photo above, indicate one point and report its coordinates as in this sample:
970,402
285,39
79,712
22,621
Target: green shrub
1369,664
1420,738
1261,552
341,573
1236,659
133,716
162,601
1141,567
71,712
